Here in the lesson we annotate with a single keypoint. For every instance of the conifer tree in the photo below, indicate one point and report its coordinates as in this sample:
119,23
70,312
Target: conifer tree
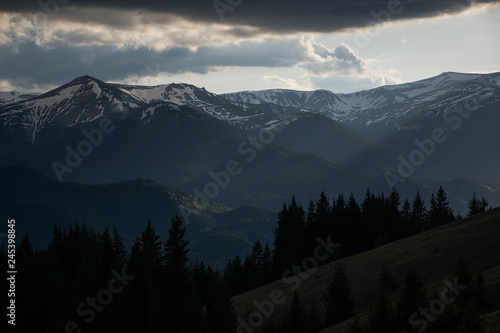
288,240
479,300
464,276
356,231
323,213
311,228
440,212
406,227
151,247
314,320
142,299
412,298
338,298
221,314
476,206
381,318
310,216
297,319
339,220
107,256
27,286
257,260
386,280
135,261
183,305
233,276
250,274
267,264
418,215
119,248
175,255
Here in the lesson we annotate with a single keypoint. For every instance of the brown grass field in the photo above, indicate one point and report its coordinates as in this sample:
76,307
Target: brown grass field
435,252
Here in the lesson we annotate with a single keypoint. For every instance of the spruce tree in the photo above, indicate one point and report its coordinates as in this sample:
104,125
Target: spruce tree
356,232
465,277
119,248
250,274
479,300
393,225
151,247
386,280
221,314
338,297
412,298
183,304
297,318
314,321
26,287
257,261
475,206
142,295
289,236
440,212
406,226
107,256
310,216
323,213
418,215
339,220
267,264
175,256
233,276
484,204
381,318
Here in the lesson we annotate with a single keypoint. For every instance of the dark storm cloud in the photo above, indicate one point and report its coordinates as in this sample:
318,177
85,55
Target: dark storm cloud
31,63
273,16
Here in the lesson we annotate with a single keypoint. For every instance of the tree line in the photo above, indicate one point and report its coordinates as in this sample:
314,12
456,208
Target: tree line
169,293
356,227
455,307
65,287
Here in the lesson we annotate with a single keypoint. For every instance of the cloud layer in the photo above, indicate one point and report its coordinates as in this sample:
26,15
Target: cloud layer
277,15
49,42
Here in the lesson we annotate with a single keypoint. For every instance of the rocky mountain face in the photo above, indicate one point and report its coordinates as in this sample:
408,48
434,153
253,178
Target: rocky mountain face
261,147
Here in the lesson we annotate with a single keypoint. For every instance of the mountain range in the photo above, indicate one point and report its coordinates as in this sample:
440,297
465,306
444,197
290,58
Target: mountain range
257,148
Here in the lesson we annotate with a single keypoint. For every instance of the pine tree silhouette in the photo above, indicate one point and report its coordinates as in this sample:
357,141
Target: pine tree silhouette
338,298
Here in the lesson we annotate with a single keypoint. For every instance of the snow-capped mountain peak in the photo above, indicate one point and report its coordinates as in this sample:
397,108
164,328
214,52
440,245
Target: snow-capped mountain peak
385,104
177,93
82,100
87,99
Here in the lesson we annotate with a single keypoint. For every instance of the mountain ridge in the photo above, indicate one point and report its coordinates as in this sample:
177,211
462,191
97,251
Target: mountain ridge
178,133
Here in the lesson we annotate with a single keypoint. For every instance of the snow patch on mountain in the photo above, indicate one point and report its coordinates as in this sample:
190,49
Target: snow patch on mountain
13,97
383,105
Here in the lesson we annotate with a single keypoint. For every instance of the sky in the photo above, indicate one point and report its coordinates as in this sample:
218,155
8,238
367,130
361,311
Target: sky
234,45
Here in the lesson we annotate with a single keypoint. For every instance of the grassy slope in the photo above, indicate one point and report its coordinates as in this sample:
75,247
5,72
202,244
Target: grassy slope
434,252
